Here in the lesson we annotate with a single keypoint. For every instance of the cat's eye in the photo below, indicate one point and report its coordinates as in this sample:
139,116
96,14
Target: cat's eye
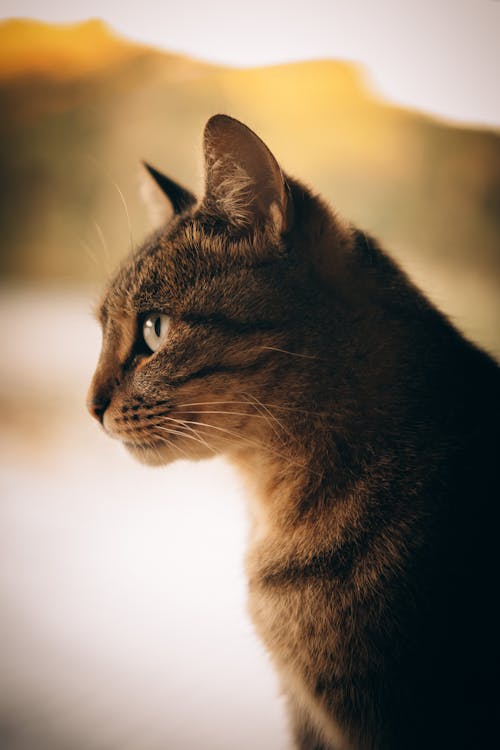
155,329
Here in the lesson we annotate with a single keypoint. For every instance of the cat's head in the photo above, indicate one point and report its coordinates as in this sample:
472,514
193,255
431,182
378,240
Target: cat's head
205,327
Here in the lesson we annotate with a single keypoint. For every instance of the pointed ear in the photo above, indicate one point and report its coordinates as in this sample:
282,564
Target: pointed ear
244,183
179,197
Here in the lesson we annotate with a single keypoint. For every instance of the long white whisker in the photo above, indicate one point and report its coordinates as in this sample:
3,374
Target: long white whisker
98,163
197,438
152,447
246,440
272,406
89,252
186,426
104,244
170,442
226,435
124,202
233,413
224,429
258,404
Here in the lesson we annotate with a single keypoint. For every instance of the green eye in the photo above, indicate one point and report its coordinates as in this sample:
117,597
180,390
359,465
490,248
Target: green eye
155,329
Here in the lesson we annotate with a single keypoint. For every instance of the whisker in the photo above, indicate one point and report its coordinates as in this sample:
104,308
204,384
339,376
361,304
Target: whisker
170,443
248,441
197,438
265,416
150,445
214,450
183,423
127,214
293,354
155,449
89,252
182,426
258,404
99,164
225,430
241,401
204,442
104,244
233,413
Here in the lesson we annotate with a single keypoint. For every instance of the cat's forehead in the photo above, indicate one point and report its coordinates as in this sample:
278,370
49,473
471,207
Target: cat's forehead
170,264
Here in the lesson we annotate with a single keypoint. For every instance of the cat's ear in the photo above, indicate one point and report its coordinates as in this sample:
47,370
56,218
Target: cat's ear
178,198
244,183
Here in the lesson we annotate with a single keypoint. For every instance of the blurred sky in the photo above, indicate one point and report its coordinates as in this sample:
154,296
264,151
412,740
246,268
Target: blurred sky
442,57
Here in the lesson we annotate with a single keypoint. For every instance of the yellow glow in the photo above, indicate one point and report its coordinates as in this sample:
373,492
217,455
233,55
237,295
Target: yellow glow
60,50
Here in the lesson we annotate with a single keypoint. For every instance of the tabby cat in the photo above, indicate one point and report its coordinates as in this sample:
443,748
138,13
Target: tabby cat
258,324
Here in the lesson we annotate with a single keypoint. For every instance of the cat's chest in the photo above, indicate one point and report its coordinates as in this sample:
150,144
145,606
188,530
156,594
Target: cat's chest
296,625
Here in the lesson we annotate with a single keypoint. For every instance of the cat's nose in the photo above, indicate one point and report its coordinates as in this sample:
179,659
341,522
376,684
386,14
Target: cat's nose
97,406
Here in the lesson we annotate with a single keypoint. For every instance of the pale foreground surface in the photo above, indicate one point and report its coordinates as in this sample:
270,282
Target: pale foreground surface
122,591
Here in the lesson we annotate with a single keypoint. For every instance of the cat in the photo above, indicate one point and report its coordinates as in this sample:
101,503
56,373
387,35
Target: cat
258,324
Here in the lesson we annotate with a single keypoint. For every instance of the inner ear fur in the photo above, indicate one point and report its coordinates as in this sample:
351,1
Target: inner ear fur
244,182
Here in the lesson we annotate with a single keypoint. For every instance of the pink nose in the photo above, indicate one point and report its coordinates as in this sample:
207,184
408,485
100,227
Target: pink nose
97,407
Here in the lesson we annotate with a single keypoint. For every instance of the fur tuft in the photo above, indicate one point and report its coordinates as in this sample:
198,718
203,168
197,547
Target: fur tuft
233,191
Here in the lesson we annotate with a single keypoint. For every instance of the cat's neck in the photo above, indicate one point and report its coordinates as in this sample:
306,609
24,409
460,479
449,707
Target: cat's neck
327,465
299,494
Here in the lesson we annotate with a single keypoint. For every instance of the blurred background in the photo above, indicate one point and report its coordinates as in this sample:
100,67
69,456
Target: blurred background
122,591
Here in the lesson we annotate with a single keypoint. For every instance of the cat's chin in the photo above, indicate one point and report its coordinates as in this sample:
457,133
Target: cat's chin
151,456
162,454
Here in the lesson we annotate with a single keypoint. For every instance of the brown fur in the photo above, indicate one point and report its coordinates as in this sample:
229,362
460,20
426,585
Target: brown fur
367,428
